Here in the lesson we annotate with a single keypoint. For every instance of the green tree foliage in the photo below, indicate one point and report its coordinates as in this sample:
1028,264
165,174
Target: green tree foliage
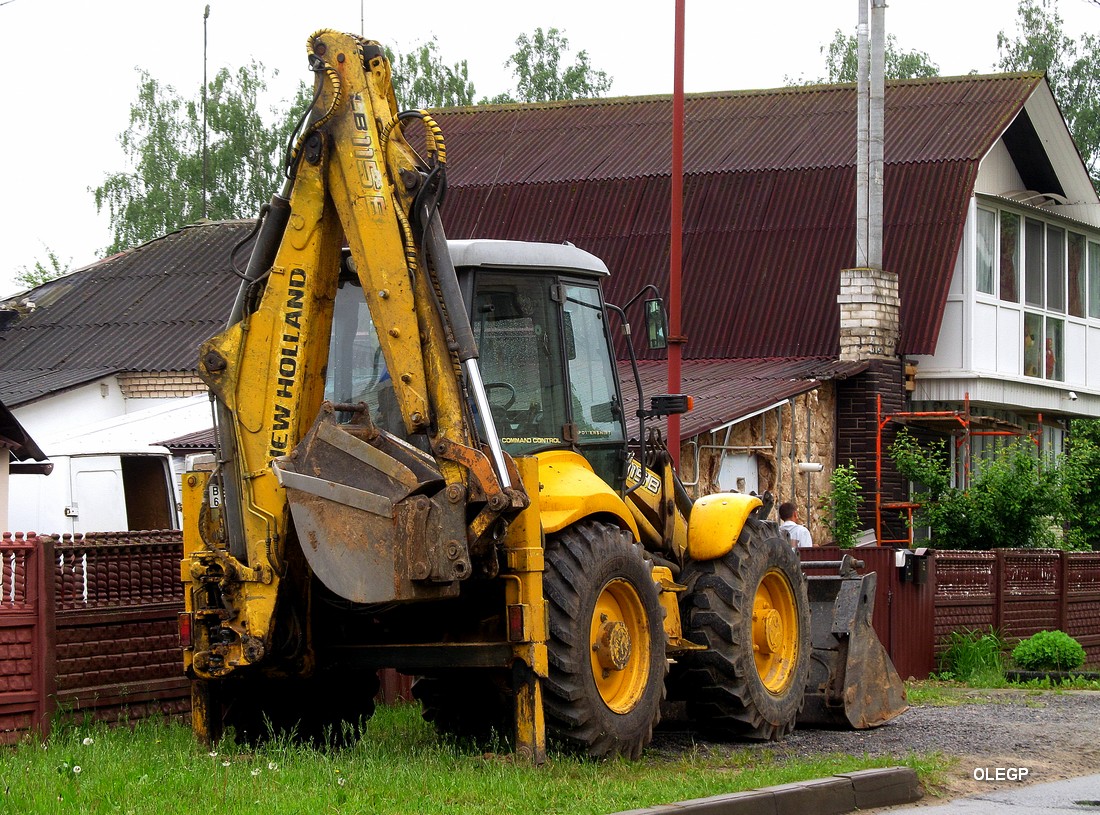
841,59
1080,474
1071,67
41,273
163,189
422,80
840,507
1013,500
541,77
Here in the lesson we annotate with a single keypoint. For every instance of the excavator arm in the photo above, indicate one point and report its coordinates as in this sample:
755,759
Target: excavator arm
402,512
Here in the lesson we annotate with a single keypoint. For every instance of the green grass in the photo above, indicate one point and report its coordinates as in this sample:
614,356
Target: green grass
975,657
938,692
398,767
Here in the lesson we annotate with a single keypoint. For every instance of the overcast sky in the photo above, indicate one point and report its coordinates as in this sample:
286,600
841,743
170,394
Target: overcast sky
70,69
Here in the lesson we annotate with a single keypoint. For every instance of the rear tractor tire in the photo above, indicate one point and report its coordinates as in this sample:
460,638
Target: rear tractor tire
751,611
606,643
327,709
471,707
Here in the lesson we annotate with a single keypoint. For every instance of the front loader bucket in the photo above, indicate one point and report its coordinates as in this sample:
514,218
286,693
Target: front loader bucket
852,682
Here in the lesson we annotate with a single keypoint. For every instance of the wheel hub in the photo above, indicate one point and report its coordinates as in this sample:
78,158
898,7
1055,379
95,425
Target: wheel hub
613,646
774,631
768,632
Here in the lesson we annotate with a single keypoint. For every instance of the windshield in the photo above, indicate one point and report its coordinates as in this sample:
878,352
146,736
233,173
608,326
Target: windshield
544,355
547,365
517,329
356,370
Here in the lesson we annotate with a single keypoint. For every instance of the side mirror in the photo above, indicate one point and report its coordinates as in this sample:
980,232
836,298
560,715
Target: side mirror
656,327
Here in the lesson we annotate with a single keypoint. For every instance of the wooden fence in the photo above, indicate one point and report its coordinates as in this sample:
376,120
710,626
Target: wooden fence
88,624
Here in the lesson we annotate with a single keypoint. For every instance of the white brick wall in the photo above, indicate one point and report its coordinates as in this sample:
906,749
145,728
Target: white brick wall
869,314
160,385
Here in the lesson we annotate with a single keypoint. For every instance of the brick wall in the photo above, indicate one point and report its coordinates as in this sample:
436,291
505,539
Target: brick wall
857,432
160,384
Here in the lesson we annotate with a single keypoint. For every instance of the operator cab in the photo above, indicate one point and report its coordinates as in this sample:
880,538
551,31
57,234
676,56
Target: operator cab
545,348
545,351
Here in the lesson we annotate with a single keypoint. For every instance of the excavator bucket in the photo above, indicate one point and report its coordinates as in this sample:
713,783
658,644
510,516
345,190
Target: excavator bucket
852,682
369,513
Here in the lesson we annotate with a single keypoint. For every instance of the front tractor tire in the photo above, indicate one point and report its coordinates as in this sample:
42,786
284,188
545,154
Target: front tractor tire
751,611
606,643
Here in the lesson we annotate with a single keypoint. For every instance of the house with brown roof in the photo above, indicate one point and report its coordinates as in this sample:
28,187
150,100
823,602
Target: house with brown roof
991,242
99,365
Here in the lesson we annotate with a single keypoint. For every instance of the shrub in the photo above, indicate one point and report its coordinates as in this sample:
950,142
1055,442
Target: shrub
975,658
1049,651
841,506
1011,503
1081,485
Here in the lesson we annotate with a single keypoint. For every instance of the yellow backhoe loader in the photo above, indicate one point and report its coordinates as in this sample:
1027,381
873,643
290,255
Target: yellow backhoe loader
423,463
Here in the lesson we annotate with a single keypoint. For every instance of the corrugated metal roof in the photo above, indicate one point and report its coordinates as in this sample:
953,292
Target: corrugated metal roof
199,441
728,390
769,198
146,309
20,385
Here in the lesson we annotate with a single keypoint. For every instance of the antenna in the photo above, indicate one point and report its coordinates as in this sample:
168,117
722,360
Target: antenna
205,17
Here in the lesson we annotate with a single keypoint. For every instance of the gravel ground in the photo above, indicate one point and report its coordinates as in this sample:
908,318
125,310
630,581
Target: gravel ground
1055,735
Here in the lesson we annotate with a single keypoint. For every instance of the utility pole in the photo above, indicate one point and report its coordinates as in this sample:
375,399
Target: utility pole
675,338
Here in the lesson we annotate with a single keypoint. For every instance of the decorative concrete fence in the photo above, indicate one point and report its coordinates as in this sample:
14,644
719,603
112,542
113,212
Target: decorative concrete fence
88,626
88,623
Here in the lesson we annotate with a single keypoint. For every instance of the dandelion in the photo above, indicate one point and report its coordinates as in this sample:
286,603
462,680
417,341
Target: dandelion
213,754
76,769
225,763
88,741
255,771
271,765
341,781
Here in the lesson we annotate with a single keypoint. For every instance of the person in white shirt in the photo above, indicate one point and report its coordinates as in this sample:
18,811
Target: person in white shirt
799,535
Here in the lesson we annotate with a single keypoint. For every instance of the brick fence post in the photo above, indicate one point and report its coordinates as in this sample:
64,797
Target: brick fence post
1062,590
45,634
998,590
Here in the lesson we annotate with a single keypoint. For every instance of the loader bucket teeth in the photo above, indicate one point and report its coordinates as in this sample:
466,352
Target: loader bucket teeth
852,681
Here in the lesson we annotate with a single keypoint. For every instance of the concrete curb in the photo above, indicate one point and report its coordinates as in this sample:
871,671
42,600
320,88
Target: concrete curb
835,795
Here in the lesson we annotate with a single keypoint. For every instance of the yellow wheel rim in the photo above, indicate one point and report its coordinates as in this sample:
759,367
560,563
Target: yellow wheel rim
619,645
775,631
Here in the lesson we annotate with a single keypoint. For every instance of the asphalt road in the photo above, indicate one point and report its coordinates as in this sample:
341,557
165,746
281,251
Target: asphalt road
1076,795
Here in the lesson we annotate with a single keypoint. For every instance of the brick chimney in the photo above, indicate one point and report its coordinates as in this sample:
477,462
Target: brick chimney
869,314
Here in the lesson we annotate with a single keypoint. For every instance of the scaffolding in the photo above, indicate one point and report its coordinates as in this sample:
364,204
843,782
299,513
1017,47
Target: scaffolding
961,426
